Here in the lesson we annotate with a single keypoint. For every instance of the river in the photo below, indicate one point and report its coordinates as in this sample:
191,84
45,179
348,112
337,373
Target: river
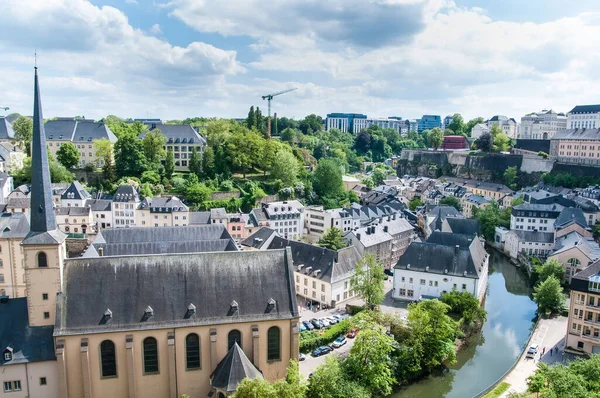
493,351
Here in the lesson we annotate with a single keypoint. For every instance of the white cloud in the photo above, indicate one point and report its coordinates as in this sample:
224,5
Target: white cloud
131,1
155,29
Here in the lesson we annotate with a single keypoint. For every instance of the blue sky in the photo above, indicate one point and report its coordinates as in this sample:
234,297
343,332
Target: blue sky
181,58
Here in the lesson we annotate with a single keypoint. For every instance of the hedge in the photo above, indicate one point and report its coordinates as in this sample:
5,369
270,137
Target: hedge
311,342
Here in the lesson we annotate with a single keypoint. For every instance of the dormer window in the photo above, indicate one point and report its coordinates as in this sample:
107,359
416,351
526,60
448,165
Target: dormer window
594,283
60,137
148,313
8,354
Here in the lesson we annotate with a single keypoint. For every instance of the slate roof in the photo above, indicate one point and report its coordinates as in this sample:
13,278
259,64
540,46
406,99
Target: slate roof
99,204
538,207
586,109
570,215
139,241
6,130
464,226
72,211
169,284
534,236
450,239
199,217
29,344
61,129
163,205
577,134
232,369
78,131
6,148
75,191
587,245
175,133
126,193
580,281
13,225
440,213
259,239
18,203
218,213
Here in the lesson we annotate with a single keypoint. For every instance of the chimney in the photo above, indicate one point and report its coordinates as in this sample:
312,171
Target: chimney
457,249
385,228
358,236
100,251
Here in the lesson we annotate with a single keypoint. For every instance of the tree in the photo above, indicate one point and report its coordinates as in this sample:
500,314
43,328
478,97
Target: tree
457,125
330,380
130,159
327,179
23,128
332,239
465,305
495,130
472,123
285,168
510,177
548,295
501,142
368,280
293,386
104,149
413,204
491,217
258,119
197,193
151,177
311,124
154,143
251,119
109,173
485,142
362,144
549,268
369,360
169,164
435,137
432,333
451,201
195,163
379,175
58,172
288,135
68,155
208,162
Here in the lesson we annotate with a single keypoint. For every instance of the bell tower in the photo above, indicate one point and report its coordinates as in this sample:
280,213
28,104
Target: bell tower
44,246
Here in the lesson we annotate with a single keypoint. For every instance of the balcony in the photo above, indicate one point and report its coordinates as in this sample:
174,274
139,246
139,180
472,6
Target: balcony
590,337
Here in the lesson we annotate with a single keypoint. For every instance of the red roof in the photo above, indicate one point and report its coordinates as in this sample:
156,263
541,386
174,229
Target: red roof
455,142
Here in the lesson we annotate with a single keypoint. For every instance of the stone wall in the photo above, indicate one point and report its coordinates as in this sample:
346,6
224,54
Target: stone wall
76,247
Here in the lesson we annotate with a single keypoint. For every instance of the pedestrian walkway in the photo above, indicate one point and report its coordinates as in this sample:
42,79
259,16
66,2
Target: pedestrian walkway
550,338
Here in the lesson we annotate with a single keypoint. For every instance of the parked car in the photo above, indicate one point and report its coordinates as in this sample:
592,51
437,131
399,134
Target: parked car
301,357
337,317
352,333
340,341
388,272
332,320
316,323
302,327
533,349
308,325
324,322
323,350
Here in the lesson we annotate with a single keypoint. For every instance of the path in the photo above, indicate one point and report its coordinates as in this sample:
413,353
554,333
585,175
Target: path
550,333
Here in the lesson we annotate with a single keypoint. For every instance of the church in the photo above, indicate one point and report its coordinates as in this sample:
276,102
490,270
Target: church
126,322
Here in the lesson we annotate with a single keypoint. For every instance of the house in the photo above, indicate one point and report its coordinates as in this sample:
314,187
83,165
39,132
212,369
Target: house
11,157
534,217
479,130
162,212
445,262
507,125
482,188
75,195
349,182
7,134
528,243
75,220
583,333
575,252
125,202
101,212
432,218
571,219
469,202
287,218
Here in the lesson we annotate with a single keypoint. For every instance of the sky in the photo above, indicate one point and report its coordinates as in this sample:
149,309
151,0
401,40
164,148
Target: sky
173,59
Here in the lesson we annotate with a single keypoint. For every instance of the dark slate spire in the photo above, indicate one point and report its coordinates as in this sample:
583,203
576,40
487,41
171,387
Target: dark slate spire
42,212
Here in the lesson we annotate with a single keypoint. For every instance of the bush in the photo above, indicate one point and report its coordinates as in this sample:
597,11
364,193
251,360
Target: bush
543,154
311,340
354,309
89,167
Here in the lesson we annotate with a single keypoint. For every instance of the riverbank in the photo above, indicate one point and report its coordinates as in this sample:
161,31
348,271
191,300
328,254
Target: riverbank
549,335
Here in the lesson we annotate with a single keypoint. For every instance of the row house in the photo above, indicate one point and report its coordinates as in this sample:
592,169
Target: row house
162,212
583,330
125,202
287,218
75,220
469,202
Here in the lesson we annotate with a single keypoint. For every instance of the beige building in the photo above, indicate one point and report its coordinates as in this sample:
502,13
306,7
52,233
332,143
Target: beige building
81,133
579,146
162,212
469,202
13,227
75,220
584,311
575,252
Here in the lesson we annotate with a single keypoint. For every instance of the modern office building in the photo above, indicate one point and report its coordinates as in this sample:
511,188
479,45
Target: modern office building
428,122
447,121
342,121
389,123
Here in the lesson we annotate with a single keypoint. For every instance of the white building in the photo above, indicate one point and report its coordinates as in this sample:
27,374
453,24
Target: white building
444,263
383,123
542,125
584,116
286,218
507,125
6,187
479,130
528,243
534,217
74,196
125,203
101,213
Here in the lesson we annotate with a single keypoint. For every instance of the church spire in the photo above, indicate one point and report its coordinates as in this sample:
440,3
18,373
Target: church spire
42,212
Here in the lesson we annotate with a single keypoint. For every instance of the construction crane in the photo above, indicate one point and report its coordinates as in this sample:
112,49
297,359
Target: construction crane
269,97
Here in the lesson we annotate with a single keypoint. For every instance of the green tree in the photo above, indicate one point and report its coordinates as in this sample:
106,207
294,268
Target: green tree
195,163
197,193
332,239
208,162
169,164
151,177
501,142
435,137
288,135
311,124
243,151
432,333
327,179
109,173
68,155
293,386
330,380
413,204
458,124
23,128
285,168
485,142
104,149
368,182
491,217
258,119
510,177
551,267
154,142
548,295
451,201
465,305
472,123
379,175
495,130
130,159
251,119
368,280
369,360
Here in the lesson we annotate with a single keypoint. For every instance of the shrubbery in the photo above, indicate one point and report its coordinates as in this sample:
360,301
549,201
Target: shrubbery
310,340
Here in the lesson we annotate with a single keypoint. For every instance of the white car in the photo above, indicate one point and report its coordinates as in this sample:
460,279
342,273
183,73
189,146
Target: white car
332,320
325,322
340,341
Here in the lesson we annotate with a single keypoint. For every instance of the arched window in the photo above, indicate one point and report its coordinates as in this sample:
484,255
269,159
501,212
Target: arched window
42,260
192,351
150,355
108,359
573,262
235,336
274,344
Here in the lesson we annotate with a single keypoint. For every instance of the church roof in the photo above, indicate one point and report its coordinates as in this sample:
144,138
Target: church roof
6,130
232,369
260,281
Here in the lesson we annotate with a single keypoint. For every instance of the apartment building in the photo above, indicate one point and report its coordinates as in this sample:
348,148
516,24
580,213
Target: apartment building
470,202
579,146
584,311
125,202
542,125
478,130
584,117
181,140
101,212
535,217
482,188
162,212
508,126
75,220
575,252
286,218
82,133
74,196
343,121
384,123
528,243
13,227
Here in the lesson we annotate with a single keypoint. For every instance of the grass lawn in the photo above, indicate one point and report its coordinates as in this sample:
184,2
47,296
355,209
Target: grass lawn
499,390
